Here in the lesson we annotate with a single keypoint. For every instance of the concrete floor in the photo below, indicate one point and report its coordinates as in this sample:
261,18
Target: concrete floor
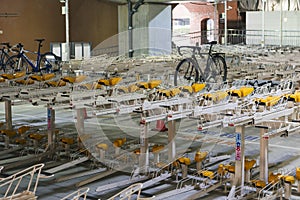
283,152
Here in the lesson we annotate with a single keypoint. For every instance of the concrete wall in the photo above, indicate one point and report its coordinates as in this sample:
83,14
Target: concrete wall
151,29
90,21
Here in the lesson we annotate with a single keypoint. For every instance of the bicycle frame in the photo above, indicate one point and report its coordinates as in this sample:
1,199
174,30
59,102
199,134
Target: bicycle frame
209,58
213,70
35,67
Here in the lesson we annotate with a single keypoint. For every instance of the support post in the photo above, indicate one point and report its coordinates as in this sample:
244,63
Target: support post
239,155
8,115
184,168
216,28
199,166
225,22
67,30
287,190
156,157
171,141
144,150
247,176
280,23
264,159
117,151
130,33
80,124
51,126
263,24
102,154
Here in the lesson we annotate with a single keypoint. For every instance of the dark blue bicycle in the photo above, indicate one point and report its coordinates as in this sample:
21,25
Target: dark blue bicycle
44,63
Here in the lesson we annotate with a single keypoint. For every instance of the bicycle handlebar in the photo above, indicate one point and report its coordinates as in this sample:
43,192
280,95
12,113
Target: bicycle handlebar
6,44
196,49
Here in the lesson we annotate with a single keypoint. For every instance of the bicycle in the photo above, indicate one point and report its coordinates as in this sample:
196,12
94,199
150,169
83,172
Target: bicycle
4,54
44,63
188,70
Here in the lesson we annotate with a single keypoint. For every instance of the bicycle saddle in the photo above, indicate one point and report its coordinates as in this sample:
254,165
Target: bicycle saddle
213,42
39,40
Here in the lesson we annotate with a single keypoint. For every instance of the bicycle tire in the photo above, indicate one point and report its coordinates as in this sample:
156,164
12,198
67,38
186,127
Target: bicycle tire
3,60
187,72
50,63
14,64
216,69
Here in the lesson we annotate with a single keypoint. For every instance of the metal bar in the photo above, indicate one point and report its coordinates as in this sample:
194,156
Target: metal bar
67,30
67,165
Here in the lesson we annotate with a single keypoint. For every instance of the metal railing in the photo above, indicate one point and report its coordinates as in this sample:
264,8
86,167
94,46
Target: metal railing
240,36
21,183
234,36
81,193
129,192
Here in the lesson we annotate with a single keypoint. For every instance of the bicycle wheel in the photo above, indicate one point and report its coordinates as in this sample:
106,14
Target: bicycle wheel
3,60
216,69
187,72
16,63
50,63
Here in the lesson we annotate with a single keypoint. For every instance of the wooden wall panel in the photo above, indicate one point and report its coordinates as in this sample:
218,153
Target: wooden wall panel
90,21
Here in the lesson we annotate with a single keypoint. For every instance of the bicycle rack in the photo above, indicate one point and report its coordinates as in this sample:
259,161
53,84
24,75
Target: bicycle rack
22,184
81,193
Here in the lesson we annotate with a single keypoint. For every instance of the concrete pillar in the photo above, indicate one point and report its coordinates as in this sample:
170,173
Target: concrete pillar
51,126
239,155
171,141
144,148
264,158
8,115
151,29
